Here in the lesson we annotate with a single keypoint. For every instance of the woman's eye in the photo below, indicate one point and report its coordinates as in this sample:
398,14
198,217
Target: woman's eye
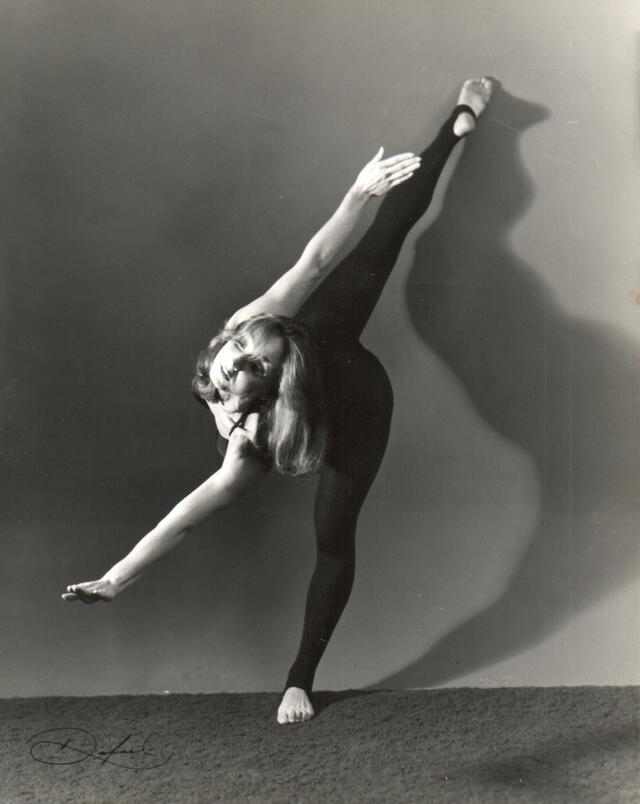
258,368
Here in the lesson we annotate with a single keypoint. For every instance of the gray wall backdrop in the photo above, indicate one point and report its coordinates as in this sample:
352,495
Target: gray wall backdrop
162,162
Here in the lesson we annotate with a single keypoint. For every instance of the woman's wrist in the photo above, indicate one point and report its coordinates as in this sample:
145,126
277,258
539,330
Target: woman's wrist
116,585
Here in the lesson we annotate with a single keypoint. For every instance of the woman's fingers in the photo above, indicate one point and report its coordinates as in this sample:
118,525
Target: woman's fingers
400,169
389,182
404,170
400,180
391,161
380,175
86,592
392,179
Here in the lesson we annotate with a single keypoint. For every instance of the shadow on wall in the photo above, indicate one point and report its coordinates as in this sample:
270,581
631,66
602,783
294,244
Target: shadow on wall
562,388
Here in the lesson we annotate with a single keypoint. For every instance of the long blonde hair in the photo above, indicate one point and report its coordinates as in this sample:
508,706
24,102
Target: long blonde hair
292,427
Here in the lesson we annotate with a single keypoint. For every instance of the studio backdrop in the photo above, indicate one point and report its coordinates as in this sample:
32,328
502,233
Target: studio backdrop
162,163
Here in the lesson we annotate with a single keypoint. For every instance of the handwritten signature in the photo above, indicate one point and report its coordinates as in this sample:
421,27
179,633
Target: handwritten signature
68,746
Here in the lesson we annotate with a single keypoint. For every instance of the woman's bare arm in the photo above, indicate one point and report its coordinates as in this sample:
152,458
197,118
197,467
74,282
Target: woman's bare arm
238,473
287,294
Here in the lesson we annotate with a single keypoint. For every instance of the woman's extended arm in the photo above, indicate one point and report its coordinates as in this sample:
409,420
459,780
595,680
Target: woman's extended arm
238,474
287,294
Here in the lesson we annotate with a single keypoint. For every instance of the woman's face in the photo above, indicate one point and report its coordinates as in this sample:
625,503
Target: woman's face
242,373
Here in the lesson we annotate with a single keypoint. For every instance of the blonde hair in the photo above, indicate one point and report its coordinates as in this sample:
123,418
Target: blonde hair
292,427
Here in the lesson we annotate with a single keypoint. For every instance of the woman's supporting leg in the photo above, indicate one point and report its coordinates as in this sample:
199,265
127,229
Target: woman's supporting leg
358,438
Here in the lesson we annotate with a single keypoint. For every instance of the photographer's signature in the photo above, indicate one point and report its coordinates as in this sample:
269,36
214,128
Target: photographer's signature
68,746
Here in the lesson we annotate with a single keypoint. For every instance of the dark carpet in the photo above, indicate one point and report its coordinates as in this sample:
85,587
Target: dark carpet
578,744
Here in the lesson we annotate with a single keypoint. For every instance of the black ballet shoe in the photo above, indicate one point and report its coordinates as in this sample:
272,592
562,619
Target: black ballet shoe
462,107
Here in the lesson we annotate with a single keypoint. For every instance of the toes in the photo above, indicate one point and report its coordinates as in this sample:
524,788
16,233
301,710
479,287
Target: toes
293,716
286,716
302,714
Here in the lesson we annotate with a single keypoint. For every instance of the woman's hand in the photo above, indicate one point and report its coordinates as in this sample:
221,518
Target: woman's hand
379,175
91,591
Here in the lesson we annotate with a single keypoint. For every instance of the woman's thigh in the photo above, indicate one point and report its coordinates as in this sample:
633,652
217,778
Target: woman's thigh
359,407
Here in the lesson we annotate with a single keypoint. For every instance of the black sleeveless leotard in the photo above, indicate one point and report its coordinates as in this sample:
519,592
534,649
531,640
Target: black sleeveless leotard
359,397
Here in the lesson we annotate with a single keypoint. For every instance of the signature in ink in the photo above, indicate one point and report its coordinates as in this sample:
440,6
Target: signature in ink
68,746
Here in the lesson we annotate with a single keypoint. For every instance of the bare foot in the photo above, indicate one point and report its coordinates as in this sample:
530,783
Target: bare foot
475,93
295,706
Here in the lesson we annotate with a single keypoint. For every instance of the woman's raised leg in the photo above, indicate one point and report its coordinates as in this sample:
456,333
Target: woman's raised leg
340,308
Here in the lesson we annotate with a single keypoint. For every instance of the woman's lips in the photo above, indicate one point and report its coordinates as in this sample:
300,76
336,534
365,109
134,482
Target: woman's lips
223,394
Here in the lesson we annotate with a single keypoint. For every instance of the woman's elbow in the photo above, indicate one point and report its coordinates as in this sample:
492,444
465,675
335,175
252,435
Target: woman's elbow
319,263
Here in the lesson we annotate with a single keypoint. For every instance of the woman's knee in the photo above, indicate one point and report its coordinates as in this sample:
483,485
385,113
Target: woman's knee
336,538
336,563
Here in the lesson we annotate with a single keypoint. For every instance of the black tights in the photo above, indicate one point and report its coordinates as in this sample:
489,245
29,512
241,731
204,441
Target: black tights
359,398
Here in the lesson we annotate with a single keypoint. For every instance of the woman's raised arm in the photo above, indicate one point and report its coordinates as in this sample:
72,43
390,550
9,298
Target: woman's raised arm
287,294
238,473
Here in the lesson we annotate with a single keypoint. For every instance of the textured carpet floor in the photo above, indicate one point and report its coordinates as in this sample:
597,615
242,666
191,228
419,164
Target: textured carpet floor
458,745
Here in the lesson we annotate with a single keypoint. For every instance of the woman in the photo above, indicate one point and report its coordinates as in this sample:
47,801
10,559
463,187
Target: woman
291,387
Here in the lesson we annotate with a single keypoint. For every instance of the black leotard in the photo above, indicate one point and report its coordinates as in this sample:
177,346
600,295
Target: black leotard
359,398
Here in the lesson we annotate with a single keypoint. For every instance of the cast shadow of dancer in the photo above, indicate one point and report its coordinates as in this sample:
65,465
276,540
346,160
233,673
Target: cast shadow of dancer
564,389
